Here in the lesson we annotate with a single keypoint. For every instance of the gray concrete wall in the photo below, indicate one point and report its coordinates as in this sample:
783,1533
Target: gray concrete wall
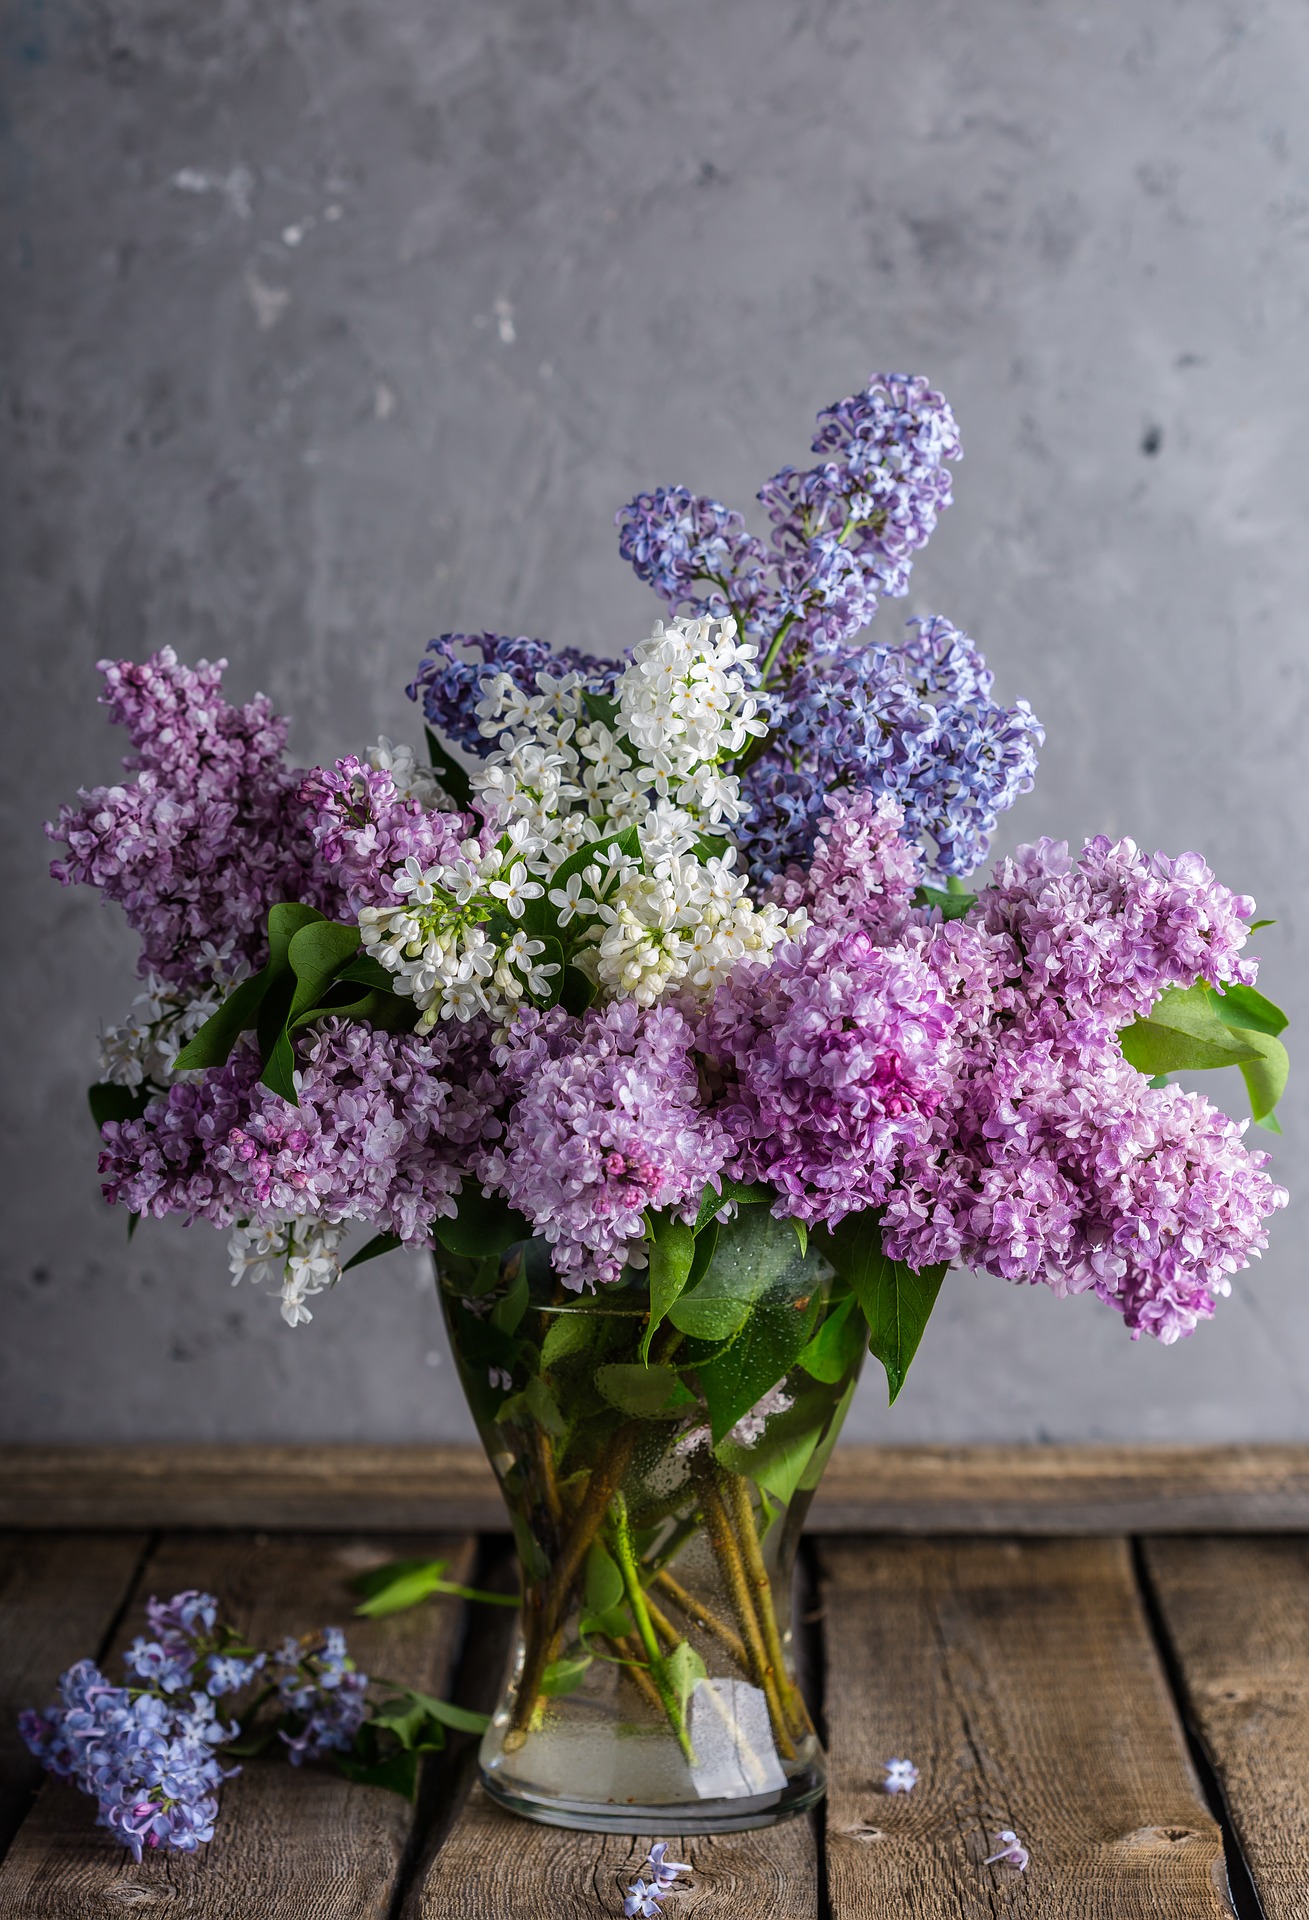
333,325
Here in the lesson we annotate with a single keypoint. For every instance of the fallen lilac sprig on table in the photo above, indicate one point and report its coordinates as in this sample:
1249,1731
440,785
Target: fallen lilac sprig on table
150,1752
646,1897
901,1776
1012,1851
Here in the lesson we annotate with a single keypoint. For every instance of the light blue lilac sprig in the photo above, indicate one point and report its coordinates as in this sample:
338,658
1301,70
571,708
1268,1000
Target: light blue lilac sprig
645,1897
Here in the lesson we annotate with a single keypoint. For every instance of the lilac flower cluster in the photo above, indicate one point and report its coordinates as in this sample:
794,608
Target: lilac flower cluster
608,1122
363,829
318,1687
917,721
844,532
448,685
645,1898
1052,1160
379,1135
147,1753
207,837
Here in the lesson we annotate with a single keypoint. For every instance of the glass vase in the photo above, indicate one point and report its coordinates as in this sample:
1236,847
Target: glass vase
656,1501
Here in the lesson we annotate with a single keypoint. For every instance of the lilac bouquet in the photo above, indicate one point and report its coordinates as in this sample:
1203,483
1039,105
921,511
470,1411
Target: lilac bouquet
655,1002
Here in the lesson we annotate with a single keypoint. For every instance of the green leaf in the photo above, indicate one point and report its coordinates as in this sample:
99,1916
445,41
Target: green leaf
481,1225
706,1245
507,1313
1248,1010
390,1011
397,1586
565,1675
454,778
1265,1078
535,1406
398,1772
1182,1032
678,1672
604,1583
896,1301
837,1344
822,1453
778,1459
954,902
637,1389
601,707
279,1069
108,1101
577,992
745,1194
317,954
671,1253
458,1719
212,1045
380,1243
775,1333
568,1333
368,972
802,1235
1256,924
752,1254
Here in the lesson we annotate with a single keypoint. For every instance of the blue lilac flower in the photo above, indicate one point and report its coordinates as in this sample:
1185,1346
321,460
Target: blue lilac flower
697,555
915,720
229,1672
318,1686
163,1664
448,682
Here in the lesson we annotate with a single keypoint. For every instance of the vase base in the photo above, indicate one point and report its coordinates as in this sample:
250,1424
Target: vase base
799,1794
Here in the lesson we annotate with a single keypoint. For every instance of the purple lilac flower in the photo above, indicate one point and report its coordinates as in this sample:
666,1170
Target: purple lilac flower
1105,934
362,830
697,555
608,1122
317,1684
380,1135
646,1897
149,1763
863,872
834,1060
915,720
448,684
208,835
1012,1851
163,1664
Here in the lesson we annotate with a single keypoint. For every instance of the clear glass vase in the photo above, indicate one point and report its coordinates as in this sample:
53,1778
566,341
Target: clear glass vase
652,1686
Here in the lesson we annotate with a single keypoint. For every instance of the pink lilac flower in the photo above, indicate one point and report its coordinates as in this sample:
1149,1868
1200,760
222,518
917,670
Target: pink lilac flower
833,1061
901,1776
608,1123
379,1135
863,872
362,829
208,836
1104,934
1012,1851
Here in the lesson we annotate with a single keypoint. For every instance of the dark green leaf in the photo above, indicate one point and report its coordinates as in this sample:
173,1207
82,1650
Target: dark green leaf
895,1300
380,1243
453,777
604,1583
134,1220
279,1069
507,1313
459,1719
482,1224
714,1199
706,1245
636,1389
954,904
568,1333
565,1675
836,1346
753,1253
1251,1011
577,992
108,1101
1182,1032
778,1459
602,708
535,1406
212,1045
398,1771
395,1588
1265,1078
317,954
368,972
671,1253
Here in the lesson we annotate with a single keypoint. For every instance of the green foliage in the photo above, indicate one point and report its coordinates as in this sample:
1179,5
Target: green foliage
752,1254
380,1243
565,1675
677,1673
402,1584
567,1334
482,1225
778,1459
714,1199
108,1101
672,1251
954,901
644,1391
1196,1028
763,1349
534,1406
837,1344
894,1299
453,777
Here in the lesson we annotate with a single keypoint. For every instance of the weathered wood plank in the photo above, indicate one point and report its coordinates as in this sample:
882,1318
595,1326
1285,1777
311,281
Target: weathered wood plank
1237,1613
59,1594
1043,1490
298,1843
494,1865
1021,1678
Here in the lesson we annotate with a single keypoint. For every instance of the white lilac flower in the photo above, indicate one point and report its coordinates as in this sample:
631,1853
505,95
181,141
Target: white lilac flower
901,1776
163,1018
411,779
1012,1851
299,1257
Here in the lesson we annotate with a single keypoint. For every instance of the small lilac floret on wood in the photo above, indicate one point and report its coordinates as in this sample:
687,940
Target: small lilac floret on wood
901,1776
1012,1851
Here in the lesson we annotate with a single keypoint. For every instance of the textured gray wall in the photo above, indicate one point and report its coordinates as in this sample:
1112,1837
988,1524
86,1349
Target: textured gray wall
333,325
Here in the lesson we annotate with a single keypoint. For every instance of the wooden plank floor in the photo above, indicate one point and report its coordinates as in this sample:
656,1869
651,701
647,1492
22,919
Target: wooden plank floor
1046,1685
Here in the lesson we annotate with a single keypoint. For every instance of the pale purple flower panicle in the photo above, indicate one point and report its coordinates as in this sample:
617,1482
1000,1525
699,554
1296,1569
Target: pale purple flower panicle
207,836
1012,1851
689,549
608,1123
379,1135
363,830
863,872
901,1776
834,1059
